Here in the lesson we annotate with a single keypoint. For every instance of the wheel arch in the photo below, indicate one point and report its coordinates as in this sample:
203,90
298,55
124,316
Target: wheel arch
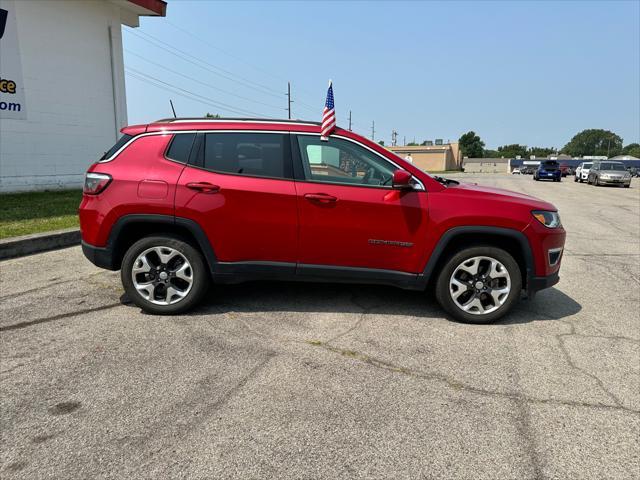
131,228
453,240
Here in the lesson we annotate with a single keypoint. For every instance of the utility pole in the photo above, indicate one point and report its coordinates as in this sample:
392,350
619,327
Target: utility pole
289,98
394,138
373,130
349,120
404,141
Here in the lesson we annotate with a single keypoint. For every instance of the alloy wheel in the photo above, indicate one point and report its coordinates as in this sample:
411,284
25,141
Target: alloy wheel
162,275
480,285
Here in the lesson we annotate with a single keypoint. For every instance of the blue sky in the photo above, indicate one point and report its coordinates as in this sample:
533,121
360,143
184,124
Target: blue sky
533,73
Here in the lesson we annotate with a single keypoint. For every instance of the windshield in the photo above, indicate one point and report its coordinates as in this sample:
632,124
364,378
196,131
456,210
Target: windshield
611,166
551,163
587,165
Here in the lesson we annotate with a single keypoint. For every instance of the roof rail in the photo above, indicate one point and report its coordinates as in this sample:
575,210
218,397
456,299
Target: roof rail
233,119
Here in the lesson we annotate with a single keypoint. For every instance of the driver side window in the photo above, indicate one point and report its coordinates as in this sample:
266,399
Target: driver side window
341,161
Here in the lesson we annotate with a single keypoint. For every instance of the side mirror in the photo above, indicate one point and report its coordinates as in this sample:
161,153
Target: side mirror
402,180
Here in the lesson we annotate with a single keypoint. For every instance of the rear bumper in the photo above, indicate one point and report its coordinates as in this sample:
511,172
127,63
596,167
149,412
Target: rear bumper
535,284
100,256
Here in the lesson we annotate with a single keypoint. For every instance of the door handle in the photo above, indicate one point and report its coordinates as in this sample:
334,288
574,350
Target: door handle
204,187
320,197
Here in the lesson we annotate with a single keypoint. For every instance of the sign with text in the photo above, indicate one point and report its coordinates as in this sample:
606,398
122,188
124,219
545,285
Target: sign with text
12,97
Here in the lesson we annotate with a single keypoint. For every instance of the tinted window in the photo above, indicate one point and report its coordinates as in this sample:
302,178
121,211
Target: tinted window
119,144
341,161
255,154
180,147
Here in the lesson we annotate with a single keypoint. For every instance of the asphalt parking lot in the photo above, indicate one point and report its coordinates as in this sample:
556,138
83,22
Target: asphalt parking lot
330,381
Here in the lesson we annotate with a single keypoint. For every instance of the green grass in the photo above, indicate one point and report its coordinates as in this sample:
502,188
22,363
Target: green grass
35,212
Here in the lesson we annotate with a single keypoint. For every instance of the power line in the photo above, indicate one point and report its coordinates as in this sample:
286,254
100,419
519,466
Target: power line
206,42
212,68
200,82
210,101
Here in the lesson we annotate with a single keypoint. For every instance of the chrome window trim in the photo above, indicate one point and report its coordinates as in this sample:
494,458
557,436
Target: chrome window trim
176,132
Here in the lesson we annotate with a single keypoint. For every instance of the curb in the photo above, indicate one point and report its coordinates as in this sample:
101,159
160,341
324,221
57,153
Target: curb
38,242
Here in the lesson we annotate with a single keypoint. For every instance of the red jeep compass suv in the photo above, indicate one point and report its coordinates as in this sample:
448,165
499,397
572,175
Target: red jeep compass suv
181,202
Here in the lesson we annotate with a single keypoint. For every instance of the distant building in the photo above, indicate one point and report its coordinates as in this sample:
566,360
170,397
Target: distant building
624,157
62,95
432,158
486,165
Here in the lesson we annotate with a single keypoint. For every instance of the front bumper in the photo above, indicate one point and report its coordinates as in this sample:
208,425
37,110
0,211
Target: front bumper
100,256
535,284
614,181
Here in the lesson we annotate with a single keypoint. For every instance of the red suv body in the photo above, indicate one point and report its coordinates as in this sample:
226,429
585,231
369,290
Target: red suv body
179,202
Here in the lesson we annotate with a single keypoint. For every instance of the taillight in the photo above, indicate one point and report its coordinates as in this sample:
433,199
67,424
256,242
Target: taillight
94,183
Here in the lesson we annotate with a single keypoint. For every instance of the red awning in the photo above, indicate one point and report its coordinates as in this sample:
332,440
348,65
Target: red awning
155,7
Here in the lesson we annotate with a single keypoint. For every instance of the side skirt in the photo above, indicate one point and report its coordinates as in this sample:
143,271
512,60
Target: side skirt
238,272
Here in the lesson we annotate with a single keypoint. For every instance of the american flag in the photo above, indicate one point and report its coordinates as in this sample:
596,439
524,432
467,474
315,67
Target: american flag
328,115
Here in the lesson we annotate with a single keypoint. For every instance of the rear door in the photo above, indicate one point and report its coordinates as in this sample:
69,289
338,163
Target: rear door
239,187
349,214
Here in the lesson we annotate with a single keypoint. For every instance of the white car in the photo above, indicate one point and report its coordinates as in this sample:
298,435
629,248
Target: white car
516,171
582,172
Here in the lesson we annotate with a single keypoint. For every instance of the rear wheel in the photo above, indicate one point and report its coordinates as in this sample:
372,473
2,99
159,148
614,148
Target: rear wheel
479,284
164,275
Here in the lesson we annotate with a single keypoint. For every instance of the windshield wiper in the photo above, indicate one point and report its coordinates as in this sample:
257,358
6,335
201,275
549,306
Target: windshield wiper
446,181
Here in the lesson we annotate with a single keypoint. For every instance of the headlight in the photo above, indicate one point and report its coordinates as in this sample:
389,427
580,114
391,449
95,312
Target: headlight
627,175
548,219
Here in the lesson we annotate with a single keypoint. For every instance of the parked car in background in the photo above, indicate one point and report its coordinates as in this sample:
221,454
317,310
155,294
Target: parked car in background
565,170
582,172
516,171
607,172
181,203
548,170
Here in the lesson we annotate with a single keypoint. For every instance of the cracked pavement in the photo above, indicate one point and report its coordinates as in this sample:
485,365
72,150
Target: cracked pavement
305,380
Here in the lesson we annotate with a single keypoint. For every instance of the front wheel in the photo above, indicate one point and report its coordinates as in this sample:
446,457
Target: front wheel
164,275
479,284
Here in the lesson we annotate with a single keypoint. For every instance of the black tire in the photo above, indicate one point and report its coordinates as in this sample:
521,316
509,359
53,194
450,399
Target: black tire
443,294
627,186
575,179
200,275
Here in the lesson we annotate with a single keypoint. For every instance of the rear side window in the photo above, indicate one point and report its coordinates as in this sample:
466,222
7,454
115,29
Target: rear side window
180,147
252,154
117,146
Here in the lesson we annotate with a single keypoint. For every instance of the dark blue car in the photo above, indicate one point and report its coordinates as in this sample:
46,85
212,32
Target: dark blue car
548,170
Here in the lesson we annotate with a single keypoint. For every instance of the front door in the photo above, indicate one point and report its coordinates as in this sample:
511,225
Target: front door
349,213
239,187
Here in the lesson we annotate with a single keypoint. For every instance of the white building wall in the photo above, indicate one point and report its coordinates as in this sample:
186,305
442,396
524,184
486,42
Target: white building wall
69,70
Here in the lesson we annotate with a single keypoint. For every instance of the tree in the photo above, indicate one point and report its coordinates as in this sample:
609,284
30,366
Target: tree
632,149
412,144
541,152
381,142
594,141
211,115
491,153
512,151
471,145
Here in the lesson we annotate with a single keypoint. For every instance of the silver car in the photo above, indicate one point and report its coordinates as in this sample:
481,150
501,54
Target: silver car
607,172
